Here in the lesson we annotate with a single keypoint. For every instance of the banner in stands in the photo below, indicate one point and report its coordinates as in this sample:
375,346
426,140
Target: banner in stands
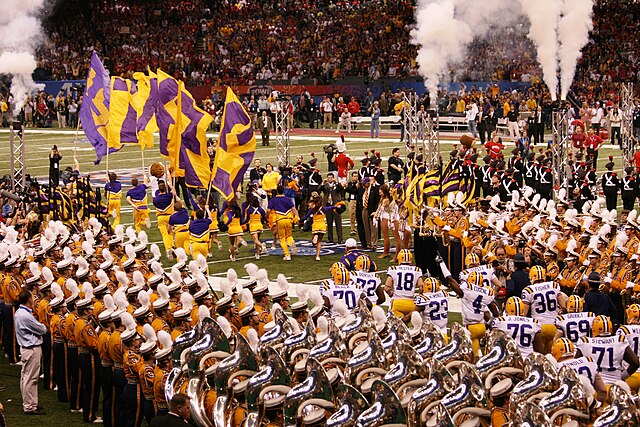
359,90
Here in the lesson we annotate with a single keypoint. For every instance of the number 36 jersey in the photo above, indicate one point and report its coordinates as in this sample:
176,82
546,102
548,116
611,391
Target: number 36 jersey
575,325
405,278
349,294
522,329
608,352
543,301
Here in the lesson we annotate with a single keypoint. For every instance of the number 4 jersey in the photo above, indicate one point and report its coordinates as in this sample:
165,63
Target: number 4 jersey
436,308
349,294
368,282
475,300
405,278
522,329
608,352
575,325
543,301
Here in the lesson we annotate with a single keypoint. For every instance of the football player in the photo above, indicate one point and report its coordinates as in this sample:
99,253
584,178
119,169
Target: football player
524,330
608,351
340,288
576,323
403,281
564,352
434,304
631,334
367,280
541,300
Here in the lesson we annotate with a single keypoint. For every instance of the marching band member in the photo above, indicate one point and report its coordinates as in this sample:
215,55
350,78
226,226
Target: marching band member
137,198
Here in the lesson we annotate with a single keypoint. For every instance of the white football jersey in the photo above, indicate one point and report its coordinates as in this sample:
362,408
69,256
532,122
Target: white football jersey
475,300
543,301
368,282
575,325
522,329
631,334
436,308
608,353
486,270
349,294
405,278
583,366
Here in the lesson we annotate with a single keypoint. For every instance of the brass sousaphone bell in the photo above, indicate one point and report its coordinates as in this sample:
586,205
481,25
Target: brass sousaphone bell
569,400
351,403
409,373
308,402
176,378
502,363
469,398
385,410
458,350
424,400
540,378
367,365
622,412
432,340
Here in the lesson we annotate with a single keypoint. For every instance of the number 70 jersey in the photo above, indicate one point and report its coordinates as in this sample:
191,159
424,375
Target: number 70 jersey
405,278
349,294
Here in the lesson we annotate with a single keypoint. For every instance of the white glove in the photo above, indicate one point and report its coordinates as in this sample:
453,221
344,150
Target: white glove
585,262
608,280
465,234
630,285
489,255
446,228
559,277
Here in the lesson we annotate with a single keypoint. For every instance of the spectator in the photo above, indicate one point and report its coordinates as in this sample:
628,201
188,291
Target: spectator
265,124
327,110
179,413
29,333
375,120
472,113
615,121
396,166
54,166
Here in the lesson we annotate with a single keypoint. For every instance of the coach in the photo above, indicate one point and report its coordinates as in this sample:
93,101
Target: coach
29,334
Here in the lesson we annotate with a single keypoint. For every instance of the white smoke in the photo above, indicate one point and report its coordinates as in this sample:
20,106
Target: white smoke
573,34
442,40
21,34
544,16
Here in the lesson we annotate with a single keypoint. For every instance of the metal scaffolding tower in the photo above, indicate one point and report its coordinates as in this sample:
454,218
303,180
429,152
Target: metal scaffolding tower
18,165
430,135
283,119
560,150
626,130
410,120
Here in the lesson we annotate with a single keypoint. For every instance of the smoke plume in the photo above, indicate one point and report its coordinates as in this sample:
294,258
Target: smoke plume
21,34
543,16
573,34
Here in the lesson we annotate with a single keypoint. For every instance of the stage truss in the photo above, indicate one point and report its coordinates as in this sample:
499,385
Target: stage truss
560,150
18,165
283,143
410,121
626,130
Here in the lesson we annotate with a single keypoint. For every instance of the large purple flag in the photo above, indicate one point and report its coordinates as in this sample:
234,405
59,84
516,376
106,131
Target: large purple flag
236,147
168,116
94,113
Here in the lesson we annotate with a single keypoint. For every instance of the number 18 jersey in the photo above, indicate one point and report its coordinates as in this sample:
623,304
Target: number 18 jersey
405,278
543,301
608,352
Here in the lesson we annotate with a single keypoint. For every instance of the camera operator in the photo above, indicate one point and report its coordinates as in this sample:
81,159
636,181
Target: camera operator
332,191
331,151
54,166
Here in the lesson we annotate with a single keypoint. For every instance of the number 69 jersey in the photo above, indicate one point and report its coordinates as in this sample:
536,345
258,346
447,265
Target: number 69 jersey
405,278
542,299
608,352
436,308
522,329
349,294
575,325
368,282
475,300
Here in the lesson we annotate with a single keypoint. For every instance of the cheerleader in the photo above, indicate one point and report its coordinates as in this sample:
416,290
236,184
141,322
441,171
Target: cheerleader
383,217
213,227
233,215
254,216
319,226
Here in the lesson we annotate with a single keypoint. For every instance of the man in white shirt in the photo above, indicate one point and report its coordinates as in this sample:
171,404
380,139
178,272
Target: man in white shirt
472,113
29,334
596,117
327,108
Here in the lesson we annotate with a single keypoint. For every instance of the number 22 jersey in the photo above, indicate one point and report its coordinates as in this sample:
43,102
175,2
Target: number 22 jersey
368,282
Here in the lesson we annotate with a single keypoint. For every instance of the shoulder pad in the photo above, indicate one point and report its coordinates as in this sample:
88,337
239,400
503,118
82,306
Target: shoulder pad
584,339
590,359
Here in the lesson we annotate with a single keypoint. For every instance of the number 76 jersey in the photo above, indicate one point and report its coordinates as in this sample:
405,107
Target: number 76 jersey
405,278
522,329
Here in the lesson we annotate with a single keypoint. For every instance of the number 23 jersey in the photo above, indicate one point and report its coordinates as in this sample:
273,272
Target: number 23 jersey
543,301
522,329
436,308
405,278
608,353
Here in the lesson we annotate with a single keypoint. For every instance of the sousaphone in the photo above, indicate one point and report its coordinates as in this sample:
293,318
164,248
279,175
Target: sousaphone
368,364
308,402
385,410
351,403
569,400
409,373
458,350
176,378
540,378
424,400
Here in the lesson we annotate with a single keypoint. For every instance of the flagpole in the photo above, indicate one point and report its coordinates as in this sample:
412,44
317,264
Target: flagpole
75,141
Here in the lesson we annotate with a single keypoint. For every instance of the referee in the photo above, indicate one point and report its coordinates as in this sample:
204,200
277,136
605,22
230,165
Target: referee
29,334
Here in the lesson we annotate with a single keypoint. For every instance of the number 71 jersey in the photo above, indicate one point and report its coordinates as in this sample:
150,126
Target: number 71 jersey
608,352
543,301
405,278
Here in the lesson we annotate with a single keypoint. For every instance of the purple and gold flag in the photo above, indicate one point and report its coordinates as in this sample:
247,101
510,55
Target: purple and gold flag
236,147
168,117
94,114
122,115
145,101
194,158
